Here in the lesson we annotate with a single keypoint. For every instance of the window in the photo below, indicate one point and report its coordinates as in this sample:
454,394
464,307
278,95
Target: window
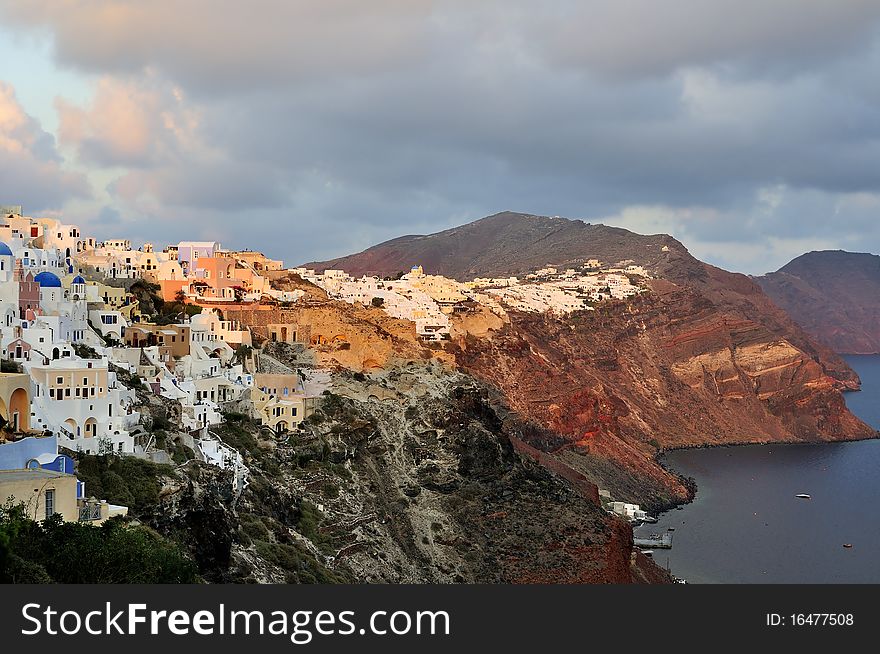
59,380
50,503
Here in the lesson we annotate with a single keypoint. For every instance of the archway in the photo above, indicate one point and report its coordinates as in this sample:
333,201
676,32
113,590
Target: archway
72,427
56,353
90,429
19,410
281,427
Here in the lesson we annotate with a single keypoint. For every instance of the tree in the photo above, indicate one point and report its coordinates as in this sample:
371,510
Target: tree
378,302
180,297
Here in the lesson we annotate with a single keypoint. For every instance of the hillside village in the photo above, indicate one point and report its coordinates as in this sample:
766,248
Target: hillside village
90,328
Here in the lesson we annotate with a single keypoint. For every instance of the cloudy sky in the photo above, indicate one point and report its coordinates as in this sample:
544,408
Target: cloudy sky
749,129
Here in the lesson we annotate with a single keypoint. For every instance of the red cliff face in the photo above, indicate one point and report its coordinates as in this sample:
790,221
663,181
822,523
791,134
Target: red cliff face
669,369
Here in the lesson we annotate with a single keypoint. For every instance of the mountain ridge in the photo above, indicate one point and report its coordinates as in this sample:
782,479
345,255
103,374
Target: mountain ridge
503,244
833,295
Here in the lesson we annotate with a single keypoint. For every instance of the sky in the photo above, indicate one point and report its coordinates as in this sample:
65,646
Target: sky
748,129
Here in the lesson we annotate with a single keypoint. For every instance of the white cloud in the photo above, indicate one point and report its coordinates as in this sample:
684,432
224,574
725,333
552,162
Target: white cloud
31,173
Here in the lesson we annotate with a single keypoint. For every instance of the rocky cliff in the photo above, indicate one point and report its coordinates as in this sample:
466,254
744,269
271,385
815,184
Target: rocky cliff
669,369
704,358
833,295
429,484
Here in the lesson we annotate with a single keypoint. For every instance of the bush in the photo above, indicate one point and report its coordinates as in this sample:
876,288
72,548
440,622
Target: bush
122,480
160,423
77,553
10,366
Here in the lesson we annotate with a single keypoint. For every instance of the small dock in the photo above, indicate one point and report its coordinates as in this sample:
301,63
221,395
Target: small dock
654,541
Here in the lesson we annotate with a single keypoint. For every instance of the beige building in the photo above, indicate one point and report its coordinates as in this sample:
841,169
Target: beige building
173,338
258,261
15,401
278,404
42,492
288,333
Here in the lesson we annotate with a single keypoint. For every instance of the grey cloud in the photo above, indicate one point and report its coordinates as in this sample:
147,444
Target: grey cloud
223,186
638,37
412,116
226,47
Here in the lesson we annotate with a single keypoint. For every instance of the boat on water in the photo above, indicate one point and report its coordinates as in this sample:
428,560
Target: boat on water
648,552
803,496
847,546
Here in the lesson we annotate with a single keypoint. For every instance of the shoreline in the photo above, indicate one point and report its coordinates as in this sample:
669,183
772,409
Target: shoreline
691,484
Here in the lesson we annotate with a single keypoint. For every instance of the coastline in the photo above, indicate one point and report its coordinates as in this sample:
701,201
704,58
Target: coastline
690,483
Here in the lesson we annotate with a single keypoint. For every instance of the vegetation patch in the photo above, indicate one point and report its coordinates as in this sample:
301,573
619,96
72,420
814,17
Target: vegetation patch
54,551
123,480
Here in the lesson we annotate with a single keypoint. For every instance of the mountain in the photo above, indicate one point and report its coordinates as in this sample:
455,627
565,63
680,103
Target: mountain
704,358
833,295
504,244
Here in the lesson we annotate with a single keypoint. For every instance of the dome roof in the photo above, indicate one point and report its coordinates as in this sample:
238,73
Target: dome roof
48,280
4,250
78,280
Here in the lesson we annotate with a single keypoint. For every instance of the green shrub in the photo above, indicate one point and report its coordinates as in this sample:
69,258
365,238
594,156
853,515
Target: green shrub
122,480
77,553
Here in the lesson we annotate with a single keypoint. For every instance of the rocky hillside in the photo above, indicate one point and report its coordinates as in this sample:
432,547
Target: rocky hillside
429,484
834,295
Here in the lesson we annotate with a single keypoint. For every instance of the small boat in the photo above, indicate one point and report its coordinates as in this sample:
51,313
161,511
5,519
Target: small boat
803,496
648,552
847,546
671,529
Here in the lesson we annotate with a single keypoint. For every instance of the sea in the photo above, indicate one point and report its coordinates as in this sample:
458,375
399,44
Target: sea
747,525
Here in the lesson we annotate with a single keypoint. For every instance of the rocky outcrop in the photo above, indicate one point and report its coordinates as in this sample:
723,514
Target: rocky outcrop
669,369
341,335
835,296
433,488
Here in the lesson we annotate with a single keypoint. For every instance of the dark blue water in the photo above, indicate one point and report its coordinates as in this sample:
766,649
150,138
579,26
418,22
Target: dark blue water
747,526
